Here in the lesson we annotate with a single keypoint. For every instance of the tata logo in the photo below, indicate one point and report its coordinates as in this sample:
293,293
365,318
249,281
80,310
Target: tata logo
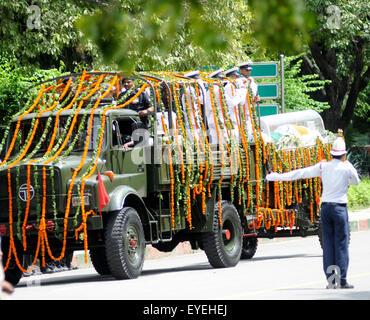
23,195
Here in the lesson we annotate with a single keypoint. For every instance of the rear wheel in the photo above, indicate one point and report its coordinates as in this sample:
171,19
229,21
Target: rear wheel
249,247
125,244
224,244
319,233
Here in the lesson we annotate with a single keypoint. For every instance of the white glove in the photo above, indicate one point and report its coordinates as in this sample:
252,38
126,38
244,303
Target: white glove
273,176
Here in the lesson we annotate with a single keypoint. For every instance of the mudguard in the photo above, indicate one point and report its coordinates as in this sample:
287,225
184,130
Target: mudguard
118,197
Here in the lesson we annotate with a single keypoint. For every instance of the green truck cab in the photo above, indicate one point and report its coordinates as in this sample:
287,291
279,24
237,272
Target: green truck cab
45,214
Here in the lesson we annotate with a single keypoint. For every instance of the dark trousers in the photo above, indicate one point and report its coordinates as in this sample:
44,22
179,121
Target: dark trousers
335,234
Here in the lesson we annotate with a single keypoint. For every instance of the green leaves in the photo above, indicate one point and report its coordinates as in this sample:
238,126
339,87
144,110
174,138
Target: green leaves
40,31
298,87
342,26
281,25
359,196
145,34
14,80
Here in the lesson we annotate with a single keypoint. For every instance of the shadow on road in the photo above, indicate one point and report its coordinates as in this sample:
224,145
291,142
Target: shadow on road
62,278
290,256
192,267
77,277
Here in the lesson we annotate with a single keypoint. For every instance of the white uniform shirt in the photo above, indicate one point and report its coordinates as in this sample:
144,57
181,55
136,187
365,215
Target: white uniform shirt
244,82
160,129
335,175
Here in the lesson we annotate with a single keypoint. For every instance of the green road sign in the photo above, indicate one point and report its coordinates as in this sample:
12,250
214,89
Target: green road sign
268,90
264,69
267,109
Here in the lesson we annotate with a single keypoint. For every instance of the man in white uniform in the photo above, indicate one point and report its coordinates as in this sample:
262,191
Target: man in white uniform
208,110
236,96
239,98
245,70
191,96
335,175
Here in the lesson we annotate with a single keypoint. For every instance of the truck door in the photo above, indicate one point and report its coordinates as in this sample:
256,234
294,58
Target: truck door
124,161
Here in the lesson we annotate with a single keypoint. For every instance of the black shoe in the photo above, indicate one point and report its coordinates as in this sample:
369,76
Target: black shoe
71,267
346,286
49,268
28,273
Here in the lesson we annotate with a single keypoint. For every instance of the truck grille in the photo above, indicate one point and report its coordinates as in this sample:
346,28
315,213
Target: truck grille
19,189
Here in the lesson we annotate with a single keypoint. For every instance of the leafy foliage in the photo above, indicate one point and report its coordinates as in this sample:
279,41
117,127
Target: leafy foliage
42,32
281,25
359,157
359,196
341,25
298,87
339,52
14,80
188,34
164,35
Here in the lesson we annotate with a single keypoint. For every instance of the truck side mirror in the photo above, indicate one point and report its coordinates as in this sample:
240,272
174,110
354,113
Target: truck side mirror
116,134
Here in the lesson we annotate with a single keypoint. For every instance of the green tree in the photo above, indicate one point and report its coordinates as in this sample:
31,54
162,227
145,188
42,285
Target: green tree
188,34
167,34
298,87
14,80
281,25
42,33
339,52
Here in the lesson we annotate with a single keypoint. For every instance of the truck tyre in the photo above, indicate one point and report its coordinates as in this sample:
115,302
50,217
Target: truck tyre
12,274
223,245
249,247
319,233
99,260
125,244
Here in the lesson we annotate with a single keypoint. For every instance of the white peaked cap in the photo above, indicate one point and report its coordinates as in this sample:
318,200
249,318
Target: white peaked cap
215,73
339,147
232,71
246,65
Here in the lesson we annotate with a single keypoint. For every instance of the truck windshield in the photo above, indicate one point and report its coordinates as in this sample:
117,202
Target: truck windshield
44,131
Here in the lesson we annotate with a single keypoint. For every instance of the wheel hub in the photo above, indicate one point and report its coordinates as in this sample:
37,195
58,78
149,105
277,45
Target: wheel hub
133,243
227,234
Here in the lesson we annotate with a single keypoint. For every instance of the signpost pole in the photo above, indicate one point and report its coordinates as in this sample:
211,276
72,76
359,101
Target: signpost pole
282,83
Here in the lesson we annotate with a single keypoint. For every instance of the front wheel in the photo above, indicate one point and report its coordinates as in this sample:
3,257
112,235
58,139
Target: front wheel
224,244
125,244
99,260
12,274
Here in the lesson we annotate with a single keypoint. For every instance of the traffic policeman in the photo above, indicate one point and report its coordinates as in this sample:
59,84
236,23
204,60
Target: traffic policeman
336,175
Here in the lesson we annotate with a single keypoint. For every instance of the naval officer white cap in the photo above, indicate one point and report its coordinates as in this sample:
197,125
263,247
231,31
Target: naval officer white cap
192,74
217,74
232,72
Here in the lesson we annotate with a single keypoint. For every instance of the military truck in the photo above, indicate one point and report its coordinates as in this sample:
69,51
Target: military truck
71,182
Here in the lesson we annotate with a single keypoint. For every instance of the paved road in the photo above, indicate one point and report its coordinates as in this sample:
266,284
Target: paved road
284,270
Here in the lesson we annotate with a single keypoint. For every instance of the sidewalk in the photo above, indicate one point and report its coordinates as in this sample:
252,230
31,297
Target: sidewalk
359,220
